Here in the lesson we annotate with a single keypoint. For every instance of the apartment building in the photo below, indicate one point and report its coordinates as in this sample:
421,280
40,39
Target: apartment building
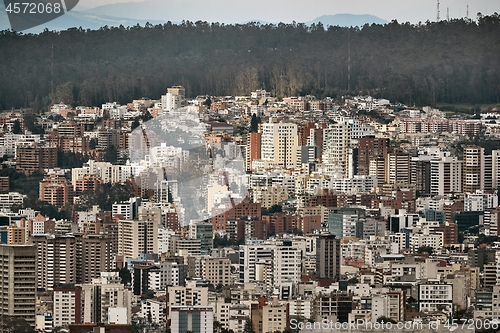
278,144
137,237
106,295
217,271
328,257
250,255
18,282
55,261
67,306
445,176
434,297
56,190
35,158
197,319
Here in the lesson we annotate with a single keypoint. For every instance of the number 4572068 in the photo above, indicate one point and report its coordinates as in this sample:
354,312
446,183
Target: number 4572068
33,8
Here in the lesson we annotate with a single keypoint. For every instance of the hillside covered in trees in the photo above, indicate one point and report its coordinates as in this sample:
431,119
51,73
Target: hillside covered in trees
437,62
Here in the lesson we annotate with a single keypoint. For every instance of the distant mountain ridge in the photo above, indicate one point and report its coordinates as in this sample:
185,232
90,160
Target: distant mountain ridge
76,19
347,20
157,12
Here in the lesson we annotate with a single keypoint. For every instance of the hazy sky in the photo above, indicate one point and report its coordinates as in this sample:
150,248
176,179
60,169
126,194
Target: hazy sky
301,10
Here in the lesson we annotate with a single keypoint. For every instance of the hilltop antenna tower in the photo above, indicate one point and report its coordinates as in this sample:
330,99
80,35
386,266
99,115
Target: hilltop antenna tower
467,17
447,13
349,61
52,70
437,14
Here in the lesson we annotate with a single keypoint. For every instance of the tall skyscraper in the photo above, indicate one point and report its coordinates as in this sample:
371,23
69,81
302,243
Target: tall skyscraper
104,296
55,260
137,237
398,168
279,144
369,148
473,169
204,232
328,257
18,282
253,151
446,176
94,254
249,256
287,264
336,139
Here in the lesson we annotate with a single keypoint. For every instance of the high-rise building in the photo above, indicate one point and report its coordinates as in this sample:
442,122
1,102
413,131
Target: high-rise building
55,261
473,169
278,144
253,148
346,222
336,141
307,154
35,158
275,316
177,90
287,264
495,169
104,296
216,271
56,190
187,296
398,168
18,282
94,254
446,176
69,137
196,319
137,237
249,256
311,134
67,306
328,257
15,234
369,148
204,232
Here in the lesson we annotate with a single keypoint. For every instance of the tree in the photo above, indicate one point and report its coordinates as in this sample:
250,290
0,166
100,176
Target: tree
92,143
217,326
12,324
125,275
111,154
426,249
248,327
16,128
148,295
254,123
135,124
273,209
353,281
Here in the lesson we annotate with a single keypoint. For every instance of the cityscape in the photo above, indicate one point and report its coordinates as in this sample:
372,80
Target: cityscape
249,167
249,214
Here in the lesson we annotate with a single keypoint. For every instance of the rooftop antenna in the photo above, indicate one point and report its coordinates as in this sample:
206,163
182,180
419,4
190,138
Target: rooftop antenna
437,16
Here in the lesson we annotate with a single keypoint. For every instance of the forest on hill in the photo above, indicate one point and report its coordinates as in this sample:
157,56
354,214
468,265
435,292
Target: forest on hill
455,61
